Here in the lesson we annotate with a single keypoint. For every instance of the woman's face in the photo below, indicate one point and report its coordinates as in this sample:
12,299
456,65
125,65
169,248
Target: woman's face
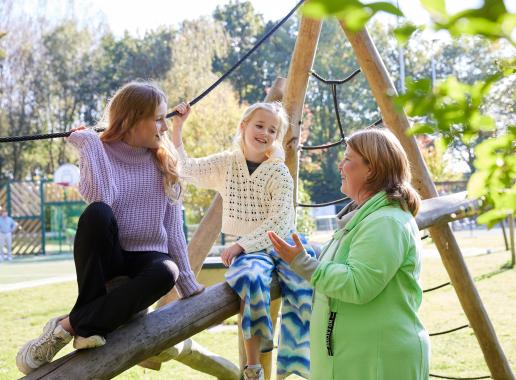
354,173
148,132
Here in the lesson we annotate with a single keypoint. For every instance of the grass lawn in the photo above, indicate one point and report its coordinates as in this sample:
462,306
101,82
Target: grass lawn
25,311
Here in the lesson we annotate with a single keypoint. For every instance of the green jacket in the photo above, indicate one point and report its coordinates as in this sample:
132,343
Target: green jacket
369,277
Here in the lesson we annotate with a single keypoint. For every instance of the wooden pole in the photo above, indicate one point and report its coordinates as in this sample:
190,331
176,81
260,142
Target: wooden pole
297,82
383,89
502,225
293,100
511,236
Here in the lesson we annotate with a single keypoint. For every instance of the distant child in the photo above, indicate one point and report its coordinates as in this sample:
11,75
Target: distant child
7,227
257,192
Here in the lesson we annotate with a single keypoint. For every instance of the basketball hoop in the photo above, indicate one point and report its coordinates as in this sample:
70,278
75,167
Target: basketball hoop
67,175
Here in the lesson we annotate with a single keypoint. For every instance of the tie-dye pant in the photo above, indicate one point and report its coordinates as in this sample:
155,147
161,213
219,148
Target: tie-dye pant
250,276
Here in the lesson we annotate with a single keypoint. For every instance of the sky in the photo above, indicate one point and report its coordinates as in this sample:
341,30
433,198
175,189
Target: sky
138,16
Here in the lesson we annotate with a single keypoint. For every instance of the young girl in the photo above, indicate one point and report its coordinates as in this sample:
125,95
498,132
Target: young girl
131,227
257,192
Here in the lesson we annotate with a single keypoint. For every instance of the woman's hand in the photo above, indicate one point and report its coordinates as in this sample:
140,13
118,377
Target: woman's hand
286,251
229,253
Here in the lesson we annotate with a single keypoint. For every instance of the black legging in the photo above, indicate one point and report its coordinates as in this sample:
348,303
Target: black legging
98,259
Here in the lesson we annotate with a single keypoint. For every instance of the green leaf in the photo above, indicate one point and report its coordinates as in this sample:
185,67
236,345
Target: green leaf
404,32
421,128
315,10
481,122
437,8
491,217
353,12
385,7
477,184
355,18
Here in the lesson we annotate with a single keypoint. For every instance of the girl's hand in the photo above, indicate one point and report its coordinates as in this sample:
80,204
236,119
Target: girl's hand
80,128
286,251
229,253
183,110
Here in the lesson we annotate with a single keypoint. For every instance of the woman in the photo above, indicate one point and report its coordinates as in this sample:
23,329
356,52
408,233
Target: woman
132,226
364,322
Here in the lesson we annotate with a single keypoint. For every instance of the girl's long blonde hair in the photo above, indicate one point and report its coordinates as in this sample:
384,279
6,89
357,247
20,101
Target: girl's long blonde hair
130,104
390,167
276,108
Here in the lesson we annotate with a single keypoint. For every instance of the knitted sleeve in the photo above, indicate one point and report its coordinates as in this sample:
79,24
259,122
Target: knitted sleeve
280,216
186,283
96,177
206,172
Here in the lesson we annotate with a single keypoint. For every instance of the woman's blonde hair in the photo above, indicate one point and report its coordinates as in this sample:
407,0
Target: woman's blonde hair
276,108
389,165
130,104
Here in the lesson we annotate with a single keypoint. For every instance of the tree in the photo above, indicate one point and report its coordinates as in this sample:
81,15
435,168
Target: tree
455,108
61,90
213,121
118,61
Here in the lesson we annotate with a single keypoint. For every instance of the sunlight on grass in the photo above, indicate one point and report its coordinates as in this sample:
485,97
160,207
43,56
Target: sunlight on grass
25,311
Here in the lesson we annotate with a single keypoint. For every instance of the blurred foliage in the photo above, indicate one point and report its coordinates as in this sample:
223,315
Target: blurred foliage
453,108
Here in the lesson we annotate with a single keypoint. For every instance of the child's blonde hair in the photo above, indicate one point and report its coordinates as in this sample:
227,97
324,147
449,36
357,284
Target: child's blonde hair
276,108
130,104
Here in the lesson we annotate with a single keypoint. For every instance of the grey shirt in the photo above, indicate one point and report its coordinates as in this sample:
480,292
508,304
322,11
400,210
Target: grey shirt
304,264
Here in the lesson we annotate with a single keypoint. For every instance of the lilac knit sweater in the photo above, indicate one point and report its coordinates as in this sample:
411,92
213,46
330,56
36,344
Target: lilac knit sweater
127,179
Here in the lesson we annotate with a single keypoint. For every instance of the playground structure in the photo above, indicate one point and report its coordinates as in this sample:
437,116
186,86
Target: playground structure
38,205
179,320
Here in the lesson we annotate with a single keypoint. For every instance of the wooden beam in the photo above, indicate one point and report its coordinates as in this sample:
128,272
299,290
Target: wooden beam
383,89
150,334
435,211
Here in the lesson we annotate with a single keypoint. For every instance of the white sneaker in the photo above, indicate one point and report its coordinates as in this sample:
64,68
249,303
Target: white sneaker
253,372
42,350
81,343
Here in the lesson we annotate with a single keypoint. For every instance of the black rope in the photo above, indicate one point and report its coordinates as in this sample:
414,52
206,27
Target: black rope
449,331
193,102
324,204
341,141
335,81
336,107
459,378
437,287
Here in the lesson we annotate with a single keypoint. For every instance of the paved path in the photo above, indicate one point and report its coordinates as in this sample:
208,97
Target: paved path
34,283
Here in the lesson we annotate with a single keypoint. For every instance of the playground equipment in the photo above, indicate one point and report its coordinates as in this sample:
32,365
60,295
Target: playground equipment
179,320
36,206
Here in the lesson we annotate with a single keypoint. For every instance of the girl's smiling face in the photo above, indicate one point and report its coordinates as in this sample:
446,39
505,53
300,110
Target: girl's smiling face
258,134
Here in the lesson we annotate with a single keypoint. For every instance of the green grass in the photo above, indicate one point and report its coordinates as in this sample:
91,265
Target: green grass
25,311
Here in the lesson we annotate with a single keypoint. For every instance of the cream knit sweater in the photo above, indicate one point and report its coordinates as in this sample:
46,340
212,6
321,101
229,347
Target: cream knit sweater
252,204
